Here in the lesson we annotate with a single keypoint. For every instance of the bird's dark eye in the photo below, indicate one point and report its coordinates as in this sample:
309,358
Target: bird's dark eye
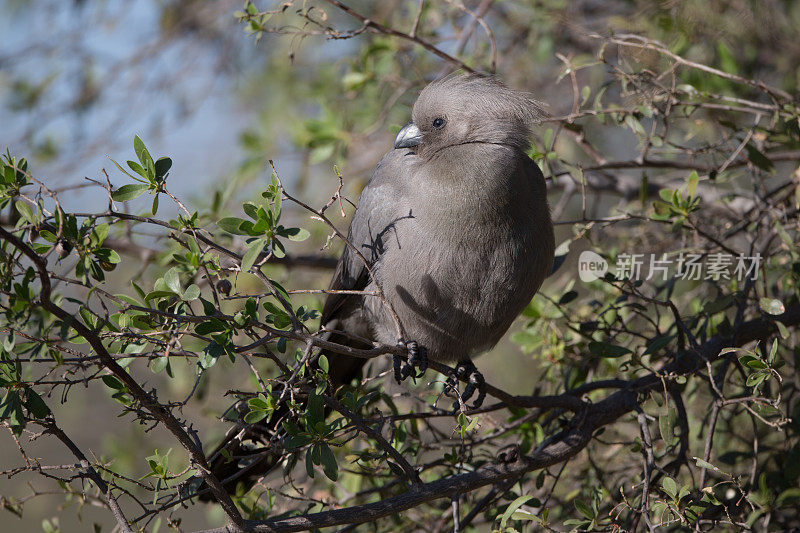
438,123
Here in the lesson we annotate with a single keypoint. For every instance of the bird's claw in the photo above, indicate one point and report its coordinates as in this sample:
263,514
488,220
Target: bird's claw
417,358
465,370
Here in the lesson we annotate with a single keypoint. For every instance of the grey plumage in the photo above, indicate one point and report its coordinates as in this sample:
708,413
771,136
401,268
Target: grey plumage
455,224
456,227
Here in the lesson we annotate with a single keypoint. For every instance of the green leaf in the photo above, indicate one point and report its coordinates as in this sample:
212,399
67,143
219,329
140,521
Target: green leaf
159,364
586,91
232,225
272,308
136,167
11,410
296,234
354,80
251,210
604,349
129,192
139,148
138,290
666,195
162,166
48,236
771,306
297,441
25,211
511,509
704,464
99,233
524,515
322,152
255,416
666,425
315,411
210,326
131,176
251,307
259,228
691,183
310,462
108,255
40,248
773,350
113,382
751,361
756,378
329,465
9,343
670,487
192,293
278,287
784,235
277,249
158,295
258,403
87,316
583,508
560,255
208,357
658,343
173,281
35,404
254,249
281,321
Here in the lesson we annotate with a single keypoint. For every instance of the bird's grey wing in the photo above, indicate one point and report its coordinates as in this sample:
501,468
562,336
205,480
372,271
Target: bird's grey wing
380,207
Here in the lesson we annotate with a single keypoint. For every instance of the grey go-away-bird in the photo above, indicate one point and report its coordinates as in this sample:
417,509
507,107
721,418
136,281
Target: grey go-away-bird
456,228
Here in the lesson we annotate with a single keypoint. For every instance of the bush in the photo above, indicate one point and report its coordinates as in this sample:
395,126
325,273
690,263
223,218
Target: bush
667,395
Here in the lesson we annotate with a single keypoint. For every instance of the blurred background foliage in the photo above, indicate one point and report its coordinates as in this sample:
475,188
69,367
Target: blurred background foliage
221,87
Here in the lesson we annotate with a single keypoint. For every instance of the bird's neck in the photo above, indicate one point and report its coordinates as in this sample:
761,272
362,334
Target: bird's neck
480,169
477,183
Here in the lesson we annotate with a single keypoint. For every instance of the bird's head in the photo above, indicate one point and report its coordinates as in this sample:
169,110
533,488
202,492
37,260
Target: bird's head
457,110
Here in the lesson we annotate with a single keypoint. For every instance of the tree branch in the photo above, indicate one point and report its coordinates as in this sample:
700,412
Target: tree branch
156,409
553,451
380,28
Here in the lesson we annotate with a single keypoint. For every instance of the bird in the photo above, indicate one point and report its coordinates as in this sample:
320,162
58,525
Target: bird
453,229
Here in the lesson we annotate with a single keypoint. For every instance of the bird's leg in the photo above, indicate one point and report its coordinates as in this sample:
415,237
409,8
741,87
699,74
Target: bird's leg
417,357
466,370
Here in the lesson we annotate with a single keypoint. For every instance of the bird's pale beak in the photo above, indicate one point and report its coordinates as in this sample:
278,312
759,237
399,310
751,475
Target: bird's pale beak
408,137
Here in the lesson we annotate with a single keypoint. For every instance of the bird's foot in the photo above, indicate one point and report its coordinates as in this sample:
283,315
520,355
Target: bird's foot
417,358
509,454
465,370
